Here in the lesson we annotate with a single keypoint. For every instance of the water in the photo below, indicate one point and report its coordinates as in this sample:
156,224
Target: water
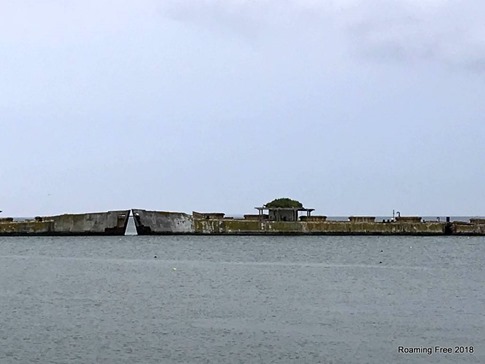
240,299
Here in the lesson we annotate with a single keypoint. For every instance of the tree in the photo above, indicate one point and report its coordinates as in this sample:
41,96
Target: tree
284,202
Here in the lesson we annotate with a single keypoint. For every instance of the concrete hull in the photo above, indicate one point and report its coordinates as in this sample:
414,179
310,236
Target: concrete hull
162,222
243,227
460,228
171,223
98,223
25,228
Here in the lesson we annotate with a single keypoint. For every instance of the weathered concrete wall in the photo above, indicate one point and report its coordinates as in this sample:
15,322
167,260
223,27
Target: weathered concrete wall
283,214
162,222
375,228
97,223
208,215
235,226
21,228
256,217
313,218
316,228
409,219
477,221
462,228
362,218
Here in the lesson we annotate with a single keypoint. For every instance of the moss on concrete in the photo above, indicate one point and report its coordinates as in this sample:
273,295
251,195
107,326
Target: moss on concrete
18,228
237,226
458,228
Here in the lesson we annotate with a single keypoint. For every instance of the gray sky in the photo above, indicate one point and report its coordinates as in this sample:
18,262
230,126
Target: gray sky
352,107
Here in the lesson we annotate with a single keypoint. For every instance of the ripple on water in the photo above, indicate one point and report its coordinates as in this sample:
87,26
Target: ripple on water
242,299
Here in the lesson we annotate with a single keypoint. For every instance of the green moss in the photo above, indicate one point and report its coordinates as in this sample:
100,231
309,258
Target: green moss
25,227
241,226
237,226
285,227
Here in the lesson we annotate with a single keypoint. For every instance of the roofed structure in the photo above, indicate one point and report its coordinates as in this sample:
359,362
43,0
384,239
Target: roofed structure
282,213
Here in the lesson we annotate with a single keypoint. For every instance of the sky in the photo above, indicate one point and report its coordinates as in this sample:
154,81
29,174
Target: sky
352,107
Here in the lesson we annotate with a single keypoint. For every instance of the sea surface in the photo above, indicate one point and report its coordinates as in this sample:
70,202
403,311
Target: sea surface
227,299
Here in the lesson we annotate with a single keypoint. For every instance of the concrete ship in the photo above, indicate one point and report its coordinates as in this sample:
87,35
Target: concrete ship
287,222
97,223
162,222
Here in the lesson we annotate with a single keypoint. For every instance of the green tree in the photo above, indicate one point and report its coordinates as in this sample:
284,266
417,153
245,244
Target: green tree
284,202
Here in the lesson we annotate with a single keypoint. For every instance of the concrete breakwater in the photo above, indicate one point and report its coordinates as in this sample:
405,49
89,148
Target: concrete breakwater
197,223
167,223
97,223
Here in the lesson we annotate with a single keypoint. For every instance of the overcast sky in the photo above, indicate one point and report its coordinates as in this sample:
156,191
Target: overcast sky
352,107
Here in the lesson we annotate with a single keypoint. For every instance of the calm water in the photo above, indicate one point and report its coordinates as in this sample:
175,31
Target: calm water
240,299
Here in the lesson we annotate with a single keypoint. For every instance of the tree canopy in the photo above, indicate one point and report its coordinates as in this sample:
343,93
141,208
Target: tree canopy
284,202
